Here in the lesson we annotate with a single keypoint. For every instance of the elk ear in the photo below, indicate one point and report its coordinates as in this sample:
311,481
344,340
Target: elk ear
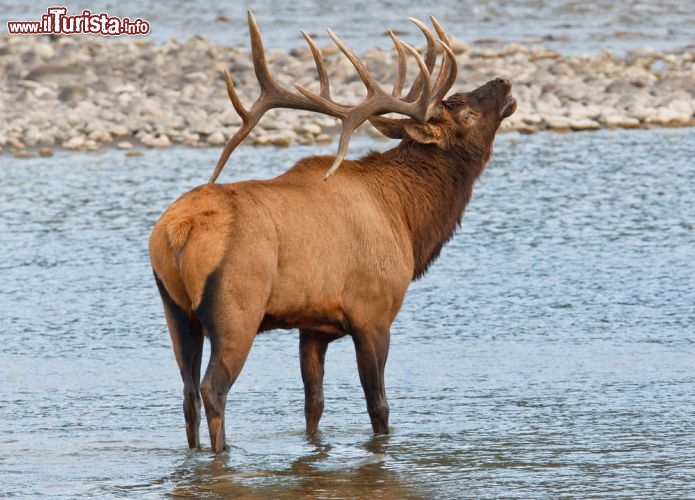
425,133
393,128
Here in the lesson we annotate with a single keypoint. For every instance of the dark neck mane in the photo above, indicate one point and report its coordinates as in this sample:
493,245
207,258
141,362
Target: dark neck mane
431,188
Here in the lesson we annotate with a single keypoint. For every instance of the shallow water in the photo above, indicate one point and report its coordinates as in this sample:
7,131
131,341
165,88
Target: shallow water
549,352
566,25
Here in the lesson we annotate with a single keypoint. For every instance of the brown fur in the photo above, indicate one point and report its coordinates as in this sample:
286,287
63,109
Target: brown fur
328,257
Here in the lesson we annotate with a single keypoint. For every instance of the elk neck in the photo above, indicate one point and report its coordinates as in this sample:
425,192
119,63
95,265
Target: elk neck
430,189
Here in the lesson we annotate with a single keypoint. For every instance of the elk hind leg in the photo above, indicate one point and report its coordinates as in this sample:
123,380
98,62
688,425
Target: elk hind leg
372,349
231,321
187,341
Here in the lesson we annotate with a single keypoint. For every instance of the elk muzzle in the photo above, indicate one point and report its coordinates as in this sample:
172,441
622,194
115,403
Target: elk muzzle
504,86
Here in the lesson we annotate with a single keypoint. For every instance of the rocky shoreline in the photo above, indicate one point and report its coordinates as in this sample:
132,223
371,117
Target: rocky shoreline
89,92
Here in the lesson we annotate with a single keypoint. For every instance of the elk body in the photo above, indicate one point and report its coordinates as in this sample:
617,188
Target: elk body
331,256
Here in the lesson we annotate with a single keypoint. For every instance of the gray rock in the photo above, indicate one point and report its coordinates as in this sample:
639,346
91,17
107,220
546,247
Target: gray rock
75,142
309,129
57,74
620,121
584,124
155,141
216,138
72,93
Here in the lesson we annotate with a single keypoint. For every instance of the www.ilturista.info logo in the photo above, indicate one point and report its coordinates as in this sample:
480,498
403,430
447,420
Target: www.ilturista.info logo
57,22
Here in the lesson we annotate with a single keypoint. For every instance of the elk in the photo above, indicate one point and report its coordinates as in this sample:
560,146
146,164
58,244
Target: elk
330,246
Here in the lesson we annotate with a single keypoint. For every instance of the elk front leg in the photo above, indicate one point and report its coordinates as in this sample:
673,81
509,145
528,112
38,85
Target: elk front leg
187,341
372,349
312,354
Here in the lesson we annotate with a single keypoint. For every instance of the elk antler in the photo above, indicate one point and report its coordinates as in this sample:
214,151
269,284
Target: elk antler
393,128
421,103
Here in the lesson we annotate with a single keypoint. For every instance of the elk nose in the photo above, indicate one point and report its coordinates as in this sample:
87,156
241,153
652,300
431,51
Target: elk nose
503,81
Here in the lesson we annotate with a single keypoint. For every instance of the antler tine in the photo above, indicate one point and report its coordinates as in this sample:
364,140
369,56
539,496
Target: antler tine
320,68
400,78
369,82
248,122
440,31
422,103
260,66
430,57
445,79
231,92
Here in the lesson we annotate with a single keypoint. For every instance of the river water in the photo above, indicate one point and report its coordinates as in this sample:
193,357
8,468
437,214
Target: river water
569,26
549,352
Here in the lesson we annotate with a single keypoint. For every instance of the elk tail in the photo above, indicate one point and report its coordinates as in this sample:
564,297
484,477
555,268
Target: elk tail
166,245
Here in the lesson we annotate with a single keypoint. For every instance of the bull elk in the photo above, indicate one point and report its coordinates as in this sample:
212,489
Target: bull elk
330,251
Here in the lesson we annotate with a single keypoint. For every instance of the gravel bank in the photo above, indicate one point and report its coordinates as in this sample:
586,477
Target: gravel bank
87,92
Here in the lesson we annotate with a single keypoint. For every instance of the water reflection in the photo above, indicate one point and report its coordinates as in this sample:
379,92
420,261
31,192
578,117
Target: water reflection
321,472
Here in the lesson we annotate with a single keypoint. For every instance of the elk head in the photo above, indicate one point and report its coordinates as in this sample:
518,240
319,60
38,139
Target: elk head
432,120
465,123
